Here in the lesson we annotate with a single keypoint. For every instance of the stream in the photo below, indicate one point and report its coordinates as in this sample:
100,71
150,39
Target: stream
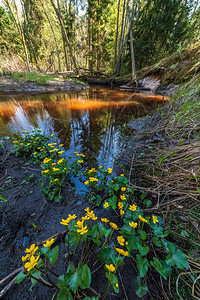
91,121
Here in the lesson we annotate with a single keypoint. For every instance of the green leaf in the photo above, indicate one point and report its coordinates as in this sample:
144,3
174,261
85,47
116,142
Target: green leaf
84,275
142,265
71,278
178,258
34,282
142,234
20,277
161,267
157,242
112,202
143,250
147,202
140,287
53,255
184,233
105,254
113,280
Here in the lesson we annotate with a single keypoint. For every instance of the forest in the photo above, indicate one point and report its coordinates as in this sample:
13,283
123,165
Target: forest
99,149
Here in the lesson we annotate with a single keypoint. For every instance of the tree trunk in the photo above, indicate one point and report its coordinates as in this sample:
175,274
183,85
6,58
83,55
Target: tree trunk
28,36
54,36
64,32
132,56
116,39
19,28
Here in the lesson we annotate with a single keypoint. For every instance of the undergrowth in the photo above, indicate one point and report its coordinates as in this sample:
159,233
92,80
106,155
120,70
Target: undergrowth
93,243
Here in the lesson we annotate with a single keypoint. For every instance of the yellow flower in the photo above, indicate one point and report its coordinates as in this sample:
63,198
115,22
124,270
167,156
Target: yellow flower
60,161
121,251
28,144
80,224
133,207
50,145
15,142
114,226
117,285
70,218
105,220
82,155
86,182
56,179
85,218
60,152
80,161
93,179
106,204
24,258
155,220
31,251
56,169
121,240
110,268
34,153
133,225
46,160
52,135
49,243
39,148
53,164
76,152
142,219
46,171
121,212
109,170
38,129
100,167
33,262
122,197
120,205
122,175
82,230
123,189
61,145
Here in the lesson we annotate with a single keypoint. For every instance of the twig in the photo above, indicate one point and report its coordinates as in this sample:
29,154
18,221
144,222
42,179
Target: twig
14,273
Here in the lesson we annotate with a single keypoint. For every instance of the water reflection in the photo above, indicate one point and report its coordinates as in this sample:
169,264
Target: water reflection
90,121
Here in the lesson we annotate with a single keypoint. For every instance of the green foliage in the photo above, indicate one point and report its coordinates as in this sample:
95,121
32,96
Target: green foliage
38,78
139,235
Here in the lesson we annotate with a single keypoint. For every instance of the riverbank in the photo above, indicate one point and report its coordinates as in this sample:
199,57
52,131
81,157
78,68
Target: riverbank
162,160
38,84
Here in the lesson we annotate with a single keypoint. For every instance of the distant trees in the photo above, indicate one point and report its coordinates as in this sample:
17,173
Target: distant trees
116,36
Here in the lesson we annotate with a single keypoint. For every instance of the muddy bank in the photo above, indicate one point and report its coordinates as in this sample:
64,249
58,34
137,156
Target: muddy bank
8,86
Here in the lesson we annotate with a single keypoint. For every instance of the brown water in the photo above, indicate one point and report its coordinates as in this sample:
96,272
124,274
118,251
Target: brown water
91,121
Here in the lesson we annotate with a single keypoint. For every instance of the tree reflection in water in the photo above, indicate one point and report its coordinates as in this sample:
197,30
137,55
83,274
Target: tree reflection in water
90,121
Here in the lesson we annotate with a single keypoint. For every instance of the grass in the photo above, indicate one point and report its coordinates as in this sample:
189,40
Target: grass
32,77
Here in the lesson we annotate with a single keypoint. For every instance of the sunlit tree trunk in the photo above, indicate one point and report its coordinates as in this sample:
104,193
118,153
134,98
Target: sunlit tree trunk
117,30
54,36
64,32
28,36
19,28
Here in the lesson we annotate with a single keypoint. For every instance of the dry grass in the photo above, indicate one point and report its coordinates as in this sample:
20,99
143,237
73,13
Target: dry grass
171,175
10,64
177,68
